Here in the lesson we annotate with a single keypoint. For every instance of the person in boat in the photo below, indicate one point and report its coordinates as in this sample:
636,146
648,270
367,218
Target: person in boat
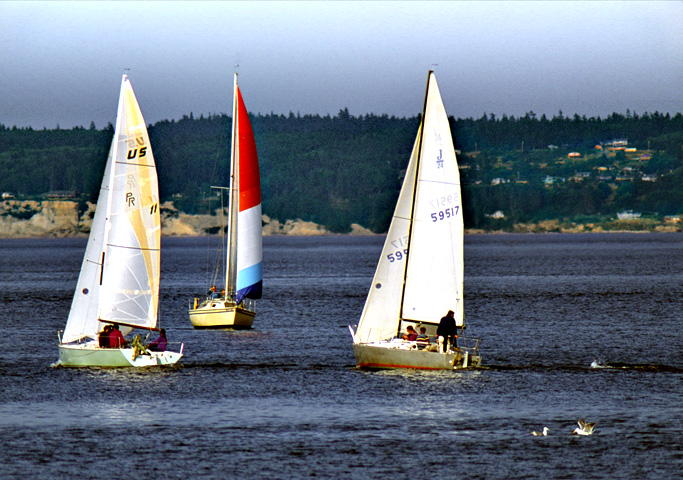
411,334
116,339
447,332
423,342
158,345
211,294
103,337
423,337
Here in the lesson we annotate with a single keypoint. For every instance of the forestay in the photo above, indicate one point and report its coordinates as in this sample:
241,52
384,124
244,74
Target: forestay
380,316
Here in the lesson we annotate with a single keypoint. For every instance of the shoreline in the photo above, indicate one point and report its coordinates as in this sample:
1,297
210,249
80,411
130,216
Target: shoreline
61,219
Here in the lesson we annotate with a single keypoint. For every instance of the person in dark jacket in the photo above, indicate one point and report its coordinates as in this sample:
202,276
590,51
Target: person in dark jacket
103,337
447,331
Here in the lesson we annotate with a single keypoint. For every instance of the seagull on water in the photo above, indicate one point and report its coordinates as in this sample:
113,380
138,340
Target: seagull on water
584,428
541,434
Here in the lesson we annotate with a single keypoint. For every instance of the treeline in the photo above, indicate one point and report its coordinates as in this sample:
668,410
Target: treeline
579,132
338,170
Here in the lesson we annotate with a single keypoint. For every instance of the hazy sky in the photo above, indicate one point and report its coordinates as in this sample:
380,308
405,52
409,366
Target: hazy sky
61,62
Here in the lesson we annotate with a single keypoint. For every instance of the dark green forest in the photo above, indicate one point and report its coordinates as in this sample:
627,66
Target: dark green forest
338,170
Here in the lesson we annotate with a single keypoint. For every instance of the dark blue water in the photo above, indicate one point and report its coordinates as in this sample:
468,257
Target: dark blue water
284,400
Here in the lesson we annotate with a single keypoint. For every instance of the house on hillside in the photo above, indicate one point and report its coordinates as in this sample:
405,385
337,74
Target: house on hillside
618,144
548,181
628,215
579,176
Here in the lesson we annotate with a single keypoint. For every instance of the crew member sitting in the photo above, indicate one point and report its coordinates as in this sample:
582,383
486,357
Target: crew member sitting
103,337
411,334
158,345
423,337
116,339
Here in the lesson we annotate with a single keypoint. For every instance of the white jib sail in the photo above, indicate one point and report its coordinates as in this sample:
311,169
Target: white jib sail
82,321
380,317
434,279
126,231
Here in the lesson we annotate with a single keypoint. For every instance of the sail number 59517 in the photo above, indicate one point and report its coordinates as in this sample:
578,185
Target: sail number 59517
445,214
398,255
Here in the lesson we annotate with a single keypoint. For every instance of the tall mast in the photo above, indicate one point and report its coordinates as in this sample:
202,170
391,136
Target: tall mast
232,200
412,208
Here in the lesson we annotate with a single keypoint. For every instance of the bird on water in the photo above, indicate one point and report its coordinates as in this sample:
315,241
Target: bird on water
584,428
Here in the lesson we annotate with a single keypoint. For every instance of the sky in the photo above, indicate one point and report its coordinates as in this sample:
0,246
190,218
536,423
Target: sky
61,62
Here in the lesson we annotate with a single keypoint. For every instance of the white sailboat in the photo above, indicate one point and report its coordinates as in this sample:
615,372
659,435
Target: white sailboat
244,252
119,279
419,277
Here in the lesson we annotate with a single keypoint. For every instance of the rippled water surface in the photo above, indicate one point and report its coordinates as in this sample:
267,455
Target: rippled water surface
573,326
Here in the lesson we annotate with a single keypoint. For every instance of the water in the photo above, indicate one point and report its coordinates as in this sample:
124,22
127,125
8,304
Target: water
573,326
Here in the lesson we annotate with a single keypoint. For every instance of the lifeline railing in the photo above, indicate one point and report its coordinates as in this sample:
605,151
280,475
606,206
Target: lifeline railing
246,303
469,344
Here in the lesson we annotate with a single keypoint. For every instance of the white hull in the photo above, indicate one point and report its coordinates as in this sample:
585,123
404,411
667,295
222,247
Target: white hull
91,355
219,314
390,355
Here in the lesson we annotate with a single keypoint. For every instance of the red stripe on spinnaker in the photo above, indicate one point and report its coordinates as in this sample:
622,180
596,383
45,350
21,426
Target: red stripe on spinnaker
249,178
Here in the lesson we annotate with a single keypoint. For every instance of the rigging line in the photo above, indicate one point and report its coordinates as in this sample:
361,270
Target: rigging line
212,276
217,258
119,162
135,298
218,154
133,248
440,182
414,200
207,263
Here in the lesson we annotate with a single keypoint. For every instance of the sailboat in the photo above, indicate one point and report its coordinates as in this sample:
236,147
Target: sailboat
234,308
119,280
419,276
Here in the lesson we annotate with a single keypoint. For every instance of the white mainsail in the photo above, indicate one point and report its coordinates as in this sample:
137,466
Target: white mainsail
434,279
82,321
421,281
119,279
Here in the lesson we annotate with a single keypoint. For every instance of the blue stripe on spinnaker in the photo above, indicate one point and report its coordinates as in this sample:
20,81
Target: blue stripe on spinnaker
249,276
249,282
252,291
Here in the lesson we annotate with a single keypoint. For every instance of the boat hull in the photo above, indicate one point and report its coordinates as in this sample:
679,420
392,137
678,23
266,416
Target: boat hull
380,357
89,355
221,315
